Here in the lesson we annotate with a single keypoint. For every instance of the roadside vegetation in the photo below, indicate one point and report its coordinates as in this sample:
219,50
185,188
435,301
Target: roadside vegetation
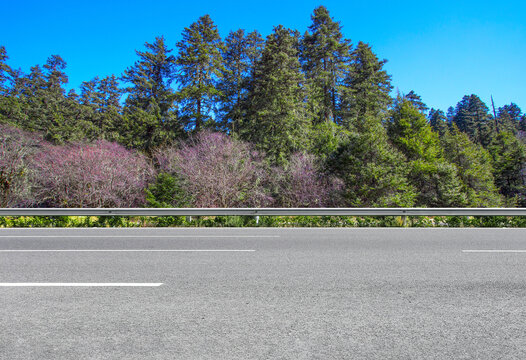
264,221
287,121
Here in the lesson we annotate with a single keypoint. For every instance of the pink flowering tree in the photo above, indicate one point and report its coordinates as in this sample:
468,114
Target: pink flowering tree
102,174
16,146
301,184
218,171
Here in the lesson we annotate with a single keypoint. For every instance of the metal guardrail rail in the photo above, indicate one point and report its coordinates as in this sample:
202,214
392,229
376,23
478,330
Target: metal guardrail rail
263,211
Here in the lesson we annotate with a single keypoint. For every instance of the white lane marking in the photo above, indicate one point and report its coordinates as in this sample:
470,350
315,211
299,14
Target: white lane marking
126,250
139,236
494,251
82,284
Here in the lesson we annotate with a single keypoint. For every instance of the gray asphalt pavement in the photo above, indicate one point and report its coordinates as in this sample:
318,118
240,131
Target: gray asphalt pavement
290,294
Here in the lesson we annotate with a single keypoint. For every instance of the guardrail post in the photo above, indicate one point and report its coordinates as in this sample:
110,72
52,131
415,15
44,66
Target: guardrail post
257,219
189,218
404,220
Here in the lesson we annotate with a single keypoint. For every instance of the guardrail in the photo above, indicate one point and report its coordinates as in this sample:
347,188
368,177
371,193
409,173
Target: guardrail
263,211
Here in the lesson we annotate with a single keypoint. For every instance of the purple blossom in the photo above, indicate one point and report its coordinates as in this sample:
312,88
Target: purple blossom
16,146
218,171
102,174
301,184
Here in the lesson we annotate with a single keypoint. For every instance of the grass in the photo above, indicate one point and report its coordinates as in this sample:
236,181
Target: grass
264,221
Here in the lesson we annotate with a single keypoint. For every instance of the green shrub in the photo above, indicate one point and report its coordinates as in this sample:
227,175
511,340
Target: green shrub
264,221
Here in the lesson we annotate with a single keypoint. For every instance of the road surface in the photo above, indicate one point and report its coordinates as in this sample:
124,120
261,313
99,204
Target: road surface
262,293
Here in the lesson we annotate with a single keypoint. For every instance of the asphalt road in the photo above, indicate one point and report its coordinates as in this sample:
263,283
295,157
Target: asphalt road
289,294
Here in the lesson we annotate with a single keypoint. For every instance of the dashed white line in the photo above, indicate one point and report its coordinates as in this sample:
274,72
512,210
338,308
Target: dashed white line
140,236
43,284
125,250
494,251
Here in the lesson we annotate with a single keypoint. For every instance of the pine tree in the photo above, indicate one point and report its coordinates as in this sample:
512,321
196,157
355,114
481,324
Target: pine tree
168,190
412,134
47,111
200,66
44,105
474,166
435,178
367,86
239,56
472,117
26,89
325,57
450,115
325,139
5,70
509,117
416,100
509,157
149,115
276,121
438,122
513,111
522,123
9,104
373,171
102,98
254,50
56,78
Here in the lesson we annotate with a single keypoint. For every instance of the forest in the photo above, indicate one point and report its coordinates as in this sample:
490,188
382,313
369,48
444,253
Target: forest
291,120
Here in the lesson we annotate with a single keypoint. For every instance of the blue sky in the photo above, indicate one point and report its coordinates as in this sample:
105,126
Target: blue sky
442,50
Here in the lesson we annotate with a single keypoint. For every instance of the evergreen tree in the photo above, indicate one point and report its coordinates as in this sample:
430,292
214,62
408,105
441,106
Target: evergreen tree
509,157
44,105
438,121
200,66
512,110
56,78
471,116
509,117
5,70
24,90
474,166
149,115
373,171
325,139
450,115
168,190
239,55
416,100
254,50
367,86
276,121
9,105
43,100
522,123
412,134
88,92
325,57
436,179
102,98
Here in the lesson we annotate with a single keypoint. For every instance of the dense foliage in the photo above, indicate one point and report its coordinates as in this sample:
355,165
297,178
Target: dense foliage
217,171
264,221
16,150
288,120
101,174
